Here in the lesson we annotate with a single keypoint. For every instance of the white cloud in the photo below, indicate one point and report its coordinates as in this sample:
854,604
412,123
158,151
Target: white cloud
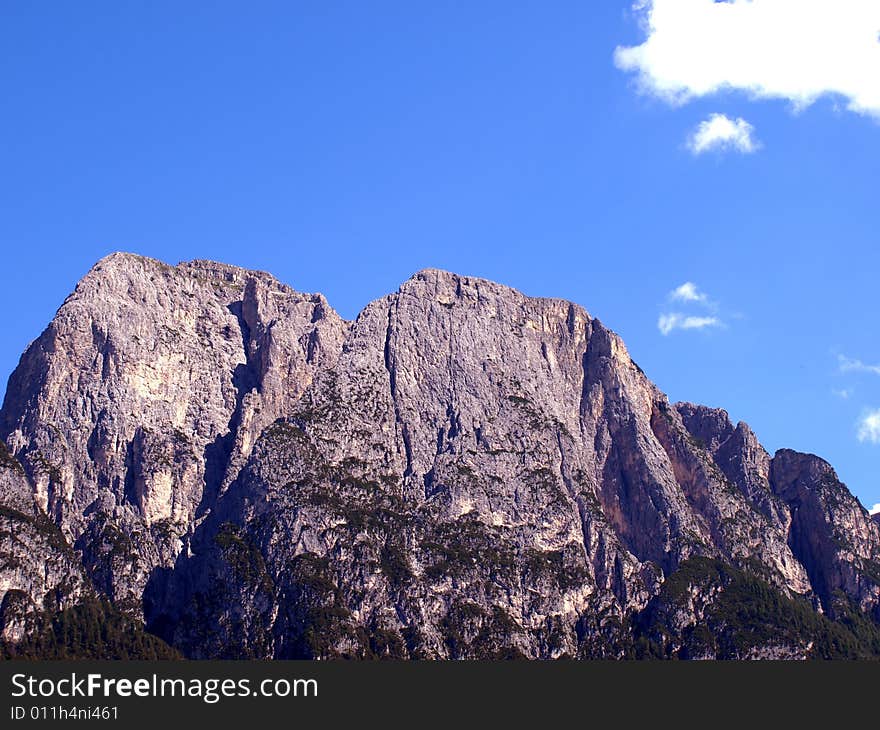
848,365
797,50
843,393
721,133
676,320
869,427
688,292
875,509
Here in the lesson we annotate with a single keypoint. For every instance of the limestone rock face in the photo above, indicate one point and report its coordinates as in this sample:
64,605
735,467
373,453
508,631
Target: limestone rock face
131,408
39,570
831,533
462,471
828,530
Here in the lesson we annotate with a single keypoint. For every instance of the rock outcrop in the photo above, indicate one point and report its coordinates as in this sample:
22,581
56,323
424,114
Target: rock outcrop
462,471
39,571
133,408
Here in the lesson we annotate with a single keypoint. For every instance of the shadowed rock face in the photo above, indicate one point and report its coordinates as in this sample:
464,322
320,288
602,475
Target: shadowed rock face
830,531
462,471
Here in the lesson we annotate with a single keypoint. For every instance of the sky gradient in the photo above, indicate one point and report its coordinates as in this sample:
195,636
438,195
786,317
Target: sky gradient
344,147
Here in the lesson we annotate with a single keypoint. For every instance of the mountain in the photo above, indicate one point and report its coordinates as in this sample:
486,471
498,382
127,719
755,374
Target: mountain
461,472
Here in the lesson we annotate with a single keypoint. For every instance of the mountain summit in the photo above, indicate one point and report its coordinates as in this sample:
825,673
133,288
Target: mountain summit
461,472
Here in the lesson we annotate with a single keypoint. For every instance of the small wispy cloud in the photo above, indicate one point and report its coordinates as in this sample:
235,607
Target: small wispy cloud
849,365
678,321
843,393
869,427
720,133
688,292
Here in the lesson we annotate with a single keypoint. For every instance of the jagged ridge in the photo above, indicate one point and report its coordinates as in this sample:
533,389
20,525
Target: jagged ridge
462,471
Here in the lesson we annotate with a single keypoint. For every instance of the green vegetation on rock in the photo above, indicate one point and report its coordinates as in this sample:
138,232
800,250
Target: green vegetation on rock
93,629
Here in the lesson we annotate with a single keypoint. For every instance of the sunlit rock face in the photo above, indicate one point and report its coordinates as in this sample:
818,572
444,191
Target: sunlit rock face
463,471
135,406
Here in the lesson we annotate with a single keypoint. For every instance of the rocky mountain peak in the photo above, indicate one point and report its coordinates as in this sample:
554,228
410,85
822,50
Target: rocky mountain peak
462,471
148,388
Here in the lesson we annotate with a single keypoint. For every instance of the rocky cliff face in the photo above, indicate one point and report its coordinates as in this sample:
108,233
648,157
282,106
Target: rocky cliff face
461,472
135,406
39,570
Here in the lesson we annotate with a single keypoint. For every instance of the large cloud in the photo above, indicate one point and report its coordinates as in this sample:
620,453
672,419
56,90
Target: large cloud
797,50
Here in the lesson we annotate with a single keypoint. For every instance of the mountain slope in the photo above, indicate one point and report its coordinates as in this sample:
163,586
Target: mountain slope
461,472
134,406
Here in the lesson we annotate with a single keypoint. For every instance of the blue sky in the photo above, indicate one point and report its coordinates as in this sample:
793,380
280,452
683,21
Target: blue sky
345,145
